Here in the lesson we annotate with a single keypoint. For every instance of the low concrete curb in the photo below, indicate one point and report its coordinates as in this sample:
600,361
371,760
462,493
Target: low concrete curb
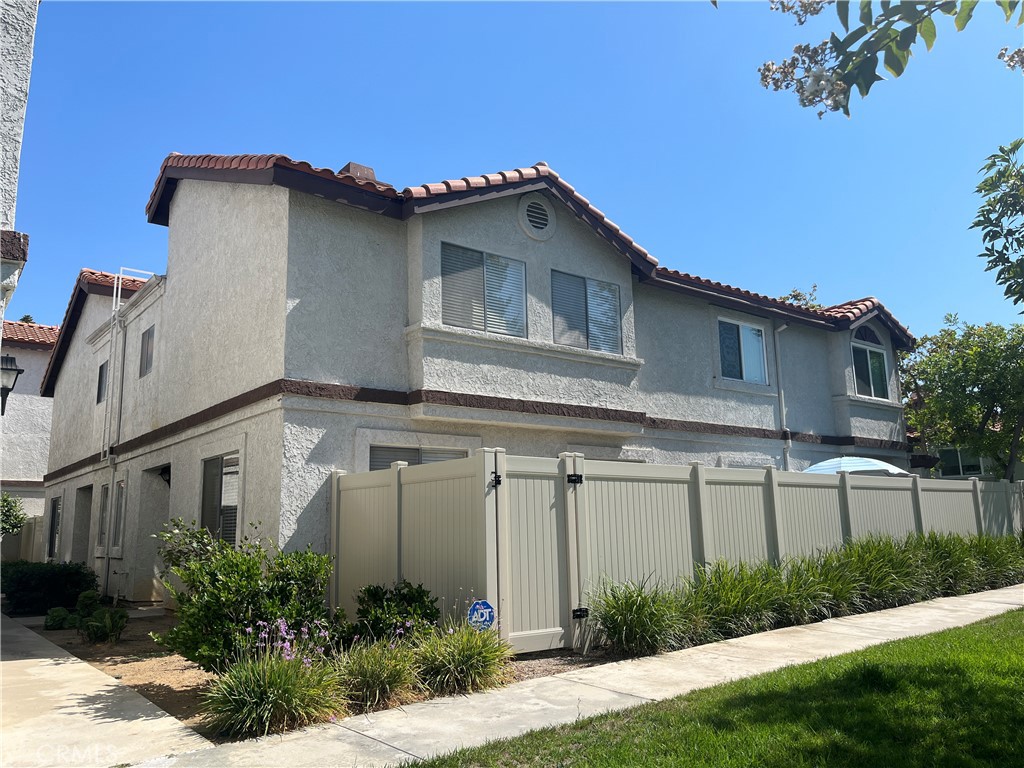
439,726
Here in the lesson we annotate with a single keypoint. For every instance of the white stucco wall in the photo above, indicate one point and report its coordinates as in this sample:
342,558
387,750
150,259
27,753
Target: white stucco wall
346,304
26,422
17,33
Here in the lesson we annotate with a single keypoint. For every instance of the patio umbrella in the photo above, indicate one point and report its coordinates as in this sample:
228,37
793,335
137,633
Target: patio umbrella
854,464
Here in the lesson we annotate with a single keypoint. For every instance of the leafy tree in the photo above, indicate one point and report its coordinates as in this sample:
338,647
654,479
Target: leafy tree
966,388
824,75
808,299
1001,219
12,514
26,319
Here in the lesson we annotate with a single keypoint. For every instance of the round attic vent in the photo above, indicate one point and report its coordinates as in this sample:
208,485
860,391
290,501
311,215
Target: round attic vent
536,216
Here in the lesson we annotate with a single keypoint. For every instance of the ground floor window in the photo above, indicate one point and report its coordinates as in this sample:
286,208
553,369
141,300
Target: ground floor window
51,544
382,456
101,534
220,496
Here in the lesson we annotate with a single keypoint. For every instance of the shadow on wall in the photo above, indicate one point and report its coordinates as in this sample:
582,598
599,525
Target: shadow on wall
312,525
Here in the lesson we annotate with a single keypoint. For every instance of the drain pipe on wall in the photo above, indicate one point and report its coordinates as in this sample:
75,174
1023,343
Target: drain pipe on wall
787,440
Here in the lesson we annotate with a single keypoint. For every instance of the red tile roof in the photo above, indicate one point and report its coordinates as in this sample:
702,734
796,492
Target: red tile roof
30,333
89,281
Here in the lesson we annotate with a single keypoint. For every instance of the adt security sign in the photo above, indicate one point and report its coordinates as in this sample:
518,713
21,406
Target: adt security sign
481,615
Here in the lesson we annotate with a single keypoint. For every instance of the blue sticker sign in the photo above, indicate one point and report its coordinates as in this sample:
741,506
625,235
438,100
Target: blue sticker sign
481,615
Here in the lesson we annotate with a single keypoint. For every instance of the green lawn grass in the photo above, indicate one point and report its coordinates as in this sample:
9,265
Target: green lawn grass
955,698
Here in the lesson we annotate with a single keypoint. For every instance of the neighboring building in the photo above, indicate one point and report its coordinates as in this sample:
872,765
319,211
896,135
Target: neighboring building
17,34
26,433
312,320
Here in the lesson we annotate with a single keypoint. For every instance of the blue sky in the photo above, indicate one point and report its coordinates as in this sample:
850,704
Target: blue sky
652,111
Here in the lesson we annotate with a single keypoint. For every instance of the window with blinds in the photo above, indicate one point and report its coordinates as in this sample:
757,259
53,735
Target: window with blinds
585,313
382,456
220,496
482,291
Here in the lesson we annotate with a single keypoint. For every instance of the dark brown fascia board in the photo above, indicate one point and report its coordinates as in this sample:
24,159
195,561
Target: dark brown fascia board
338,191
82,290
170,177
13,245
730,301
461,400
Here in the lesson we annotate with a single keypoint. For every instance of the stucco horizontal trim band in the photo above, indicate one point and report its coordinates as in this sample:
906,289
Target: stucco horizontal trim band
326,391
8,484
85,463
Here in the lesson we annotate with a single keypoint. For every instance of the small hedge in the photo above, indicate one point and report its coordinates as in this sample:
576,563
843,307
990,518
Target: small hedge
35,588
724,600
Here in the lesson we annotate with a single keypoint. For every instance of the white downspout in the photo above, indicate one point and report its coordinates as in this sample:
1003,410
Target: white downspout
787,439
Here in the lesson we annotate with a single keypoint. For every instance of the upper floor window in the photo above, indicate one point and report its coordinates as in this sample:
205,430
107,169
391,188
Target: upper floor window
382,456
585,313
954,462
742,352
869,367
482,291
146,353
101,383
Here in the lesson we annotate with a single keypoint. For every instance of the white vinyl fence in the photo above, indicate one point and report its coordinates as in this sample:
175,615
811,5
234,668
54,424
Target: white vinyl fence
533,535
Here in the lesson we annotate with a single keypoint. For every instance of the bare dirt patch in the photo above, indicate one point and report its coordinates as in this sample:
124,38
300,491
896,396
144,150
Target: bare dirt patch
544,663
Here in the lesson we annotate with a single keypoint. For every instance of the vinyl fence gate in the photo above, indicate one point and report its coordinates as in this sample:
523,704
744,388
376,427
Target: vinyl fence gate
533,536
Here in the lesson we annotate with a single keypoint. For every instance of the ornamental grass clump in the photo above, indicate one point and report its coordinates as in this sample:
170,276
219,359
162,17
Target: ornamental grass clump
891,573
950,564
377,675
741,599
280,679
638,618
803,597
457,658
1000,559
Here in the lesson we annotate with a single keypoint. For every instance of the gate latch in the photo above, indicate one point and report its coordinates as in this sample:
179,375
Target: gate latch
580,613
496,479
574,479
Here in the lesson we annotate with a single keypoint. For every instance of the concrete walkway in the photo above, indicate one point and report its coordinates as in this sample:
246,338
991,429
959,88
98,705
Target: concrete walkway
59,711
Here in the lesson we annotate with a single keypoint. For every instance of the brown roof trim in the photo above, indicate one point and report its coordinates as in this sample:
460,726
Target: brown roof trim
90,282
13,245
453,399
19,484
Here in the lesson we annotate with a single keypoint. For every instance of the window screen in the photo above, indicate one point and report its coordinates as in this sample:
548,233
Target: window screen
741,350
870,372
482,291
220,496
585,313
382,456
146,353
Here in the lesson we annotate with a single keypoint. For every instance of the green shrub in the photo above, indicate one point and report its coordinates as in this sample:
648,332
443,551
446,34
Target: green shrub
458,659
56,618
841,583
88,603
637,618
105,625
35,588
377,675
12,514
281,679
890,572
225,588
1000,559
397,612
803,595
950,565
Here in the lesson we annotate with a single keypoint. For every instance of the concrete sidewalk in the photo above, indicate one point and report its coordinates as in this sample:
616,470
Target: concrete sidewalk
442,725
57,710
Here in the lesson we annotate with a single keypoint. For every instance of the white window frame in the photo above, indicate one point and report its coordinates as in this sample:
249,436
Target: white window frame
764,350
104,516
147,351
587,282
870,348
117,521
483,264
236,455
983,463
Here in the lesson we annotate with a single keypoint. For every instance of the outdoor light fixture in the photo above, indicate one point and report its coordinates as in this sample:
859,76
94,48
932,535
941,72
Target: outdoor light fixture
9,373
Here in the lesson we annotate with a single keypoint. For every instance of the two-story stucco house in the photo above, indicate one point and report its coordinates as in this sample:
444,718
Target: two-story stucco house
25,433
312,320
